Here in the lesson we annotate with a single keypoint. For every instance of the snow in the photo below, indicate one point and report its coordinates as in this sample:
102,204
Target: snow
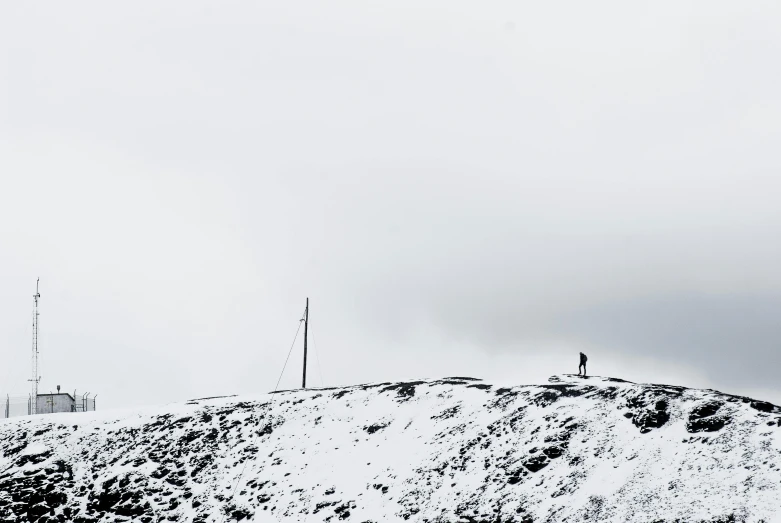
455,449
35,449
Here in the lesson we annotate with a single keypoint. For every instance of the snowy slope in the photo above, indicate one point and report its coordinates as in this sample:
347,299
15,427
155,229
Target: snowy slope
456,449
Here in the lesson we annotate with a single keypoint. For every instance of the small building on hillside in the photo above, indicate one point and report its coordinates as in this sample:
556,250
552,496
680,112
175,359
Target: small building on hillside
50,403
55,402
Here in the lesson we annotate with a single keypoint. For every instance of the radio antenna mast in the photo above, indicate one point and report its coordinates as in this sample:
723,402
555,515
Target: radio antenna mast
36,378
306,327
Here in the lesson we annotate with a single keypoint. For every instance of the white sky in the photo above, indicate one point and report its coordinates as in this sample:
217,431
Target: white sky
461,188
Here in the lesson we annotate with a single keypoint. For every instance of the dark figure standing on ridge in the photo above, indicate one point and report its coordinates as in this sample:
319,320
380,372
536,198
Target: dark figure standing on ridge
583,360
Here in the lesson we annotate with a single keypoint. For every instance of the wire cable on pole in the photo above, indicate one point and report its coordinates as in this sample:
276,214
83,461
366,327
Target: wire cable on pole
288,355
255,437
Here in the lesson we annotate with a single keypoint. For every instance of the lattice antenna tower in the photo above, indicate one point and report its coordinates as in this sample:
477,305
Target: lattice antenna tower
36,378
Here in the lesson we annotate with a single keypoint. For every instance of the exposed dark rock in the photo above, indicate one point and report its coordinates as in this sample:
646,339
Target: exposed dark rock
340,393
448,382
571,391
762,406
536,463
647,420
546,398
702,418
371,429
708,424
447,413
177,462
32,458
706,409
403,390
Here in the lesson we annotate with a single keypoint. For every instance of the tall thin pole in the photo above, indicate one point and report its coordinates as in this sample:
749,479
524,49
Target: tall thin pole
36,378
306,327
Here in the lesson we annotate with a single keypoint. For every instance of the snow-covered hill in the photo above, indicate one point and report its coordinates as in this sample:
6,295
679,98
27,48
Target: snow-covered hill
456,449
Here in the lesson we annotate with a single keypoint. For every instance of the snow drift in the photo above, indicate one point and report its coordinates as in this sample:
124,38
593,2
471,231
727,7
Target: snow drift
449,450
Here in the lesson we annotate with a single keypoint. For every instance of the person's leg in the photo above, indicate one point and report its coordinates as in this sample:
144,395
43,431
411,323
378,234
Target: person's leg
584,369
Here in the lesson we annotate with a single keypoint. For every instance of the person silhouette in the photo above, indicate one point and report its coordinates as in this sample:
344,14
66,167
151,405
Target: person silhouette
583,360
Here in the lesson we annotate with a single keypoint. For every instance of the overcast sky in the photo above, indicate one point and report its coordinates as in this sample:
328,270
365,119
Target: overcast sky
461,188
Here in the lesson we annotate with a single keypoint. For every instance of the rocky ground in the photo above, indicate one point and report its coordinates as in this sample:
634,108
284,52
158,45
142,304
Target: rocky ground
448,450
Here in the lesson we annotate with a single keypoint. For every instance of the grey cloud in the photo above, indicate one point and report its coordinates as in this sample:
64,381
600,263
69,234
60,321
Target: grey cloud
734,338
181,176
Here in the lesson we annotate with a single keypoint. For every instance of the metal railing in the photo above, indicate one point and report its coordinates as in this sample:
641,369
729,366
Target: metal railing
16,405
85,403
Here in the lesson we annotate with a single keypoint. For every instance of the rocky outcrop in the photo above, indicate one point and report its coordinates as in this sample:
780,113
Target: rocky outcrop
454,449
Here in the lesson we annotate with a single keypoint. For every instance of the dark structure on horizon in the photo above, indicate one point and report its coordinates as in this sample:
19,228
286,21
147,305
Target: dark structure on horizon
47,403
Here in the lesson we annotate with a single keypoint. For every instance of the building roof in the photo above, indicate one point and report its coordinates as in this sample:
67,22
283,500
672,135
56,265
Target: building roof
56,394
